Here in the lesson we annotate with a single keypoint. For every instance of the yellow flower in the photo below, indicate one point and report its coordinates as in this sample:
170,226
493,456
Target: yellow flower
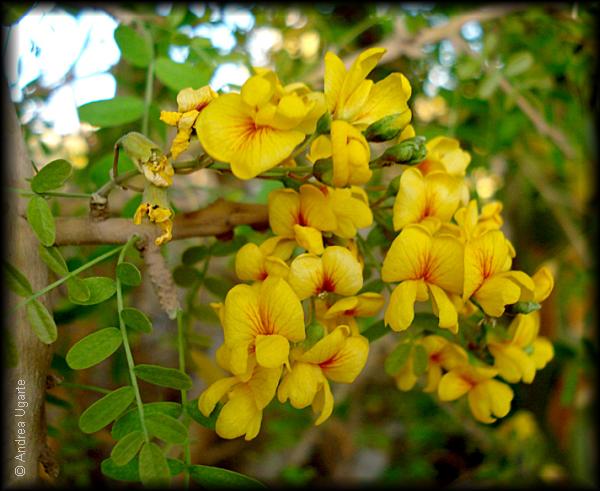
353,98
301,216
349,151
423,265
524,352
262,319
427,200
445,154
471,224
487,397
159,215
336,271
543,282
337,357
488,278
190,103
259,128
351,209
346,309
442,354
256,263
247,396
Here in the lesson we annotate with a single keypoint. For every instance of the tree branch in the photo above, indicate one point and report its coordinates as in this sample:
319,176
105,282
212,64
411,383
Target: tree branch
216,219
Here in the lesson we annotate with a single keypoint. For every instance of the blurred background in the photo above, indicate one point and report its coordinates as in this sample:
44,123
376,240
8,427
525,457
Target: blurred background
517,85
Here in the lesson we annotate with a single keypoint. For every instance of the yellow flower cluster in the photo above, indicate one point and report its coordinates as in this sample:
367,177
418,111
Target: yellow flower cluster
291,329
449,252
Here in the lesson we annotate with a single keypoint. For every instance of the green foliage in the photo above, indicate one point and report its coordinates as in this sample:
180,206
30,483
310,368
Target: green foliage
101,288
178,76
94,348
128,274
106,409
41,321
52,176
127,448
112,112
136,319
154,470
41,220
216,478
166,428
134,47
165,377
130,421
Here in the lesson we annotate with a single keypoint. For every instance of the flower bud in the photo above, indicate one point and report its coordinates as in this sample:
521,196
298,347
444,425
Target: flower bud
388,127
524,307
408,152
323,171
324,124
138,147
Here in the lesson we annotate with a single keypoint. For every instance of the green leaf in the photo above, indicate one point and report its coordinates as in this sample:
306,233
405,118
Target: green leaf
101,288
128,472
216,478
375,331
208,422
176,466
228,247
51,176
217,286
420,360
165,377
94,348
130,421
128,274
397,358
571,378
518,63
41,321
106,409
166,428
41,220
377,286
524,307
77,290
178,76
194,254
136,319
489,84
153,467
53,259
112,112
185,276
127,448
16,281
134,48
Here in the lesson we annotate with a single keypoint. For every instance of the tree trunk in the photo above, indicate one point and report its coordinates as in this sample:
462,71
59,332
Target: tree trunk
24,418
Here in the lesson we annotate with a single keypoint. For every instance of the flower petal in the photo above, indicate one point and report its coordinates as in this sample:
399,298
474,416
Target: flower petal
309,238
272,351
443,308
280,310
306,275
341,271
452,386
348,362
315,208
388,96
249,263
404,259
335,72
300,385
401,308
214,393
284,208
323,402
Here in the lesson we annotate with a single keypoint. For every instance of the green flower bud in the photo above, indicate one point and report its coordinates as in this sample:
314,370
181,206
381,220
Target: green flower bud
324,124
388,127
524,307
314,333
139,148
408,152
323,171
